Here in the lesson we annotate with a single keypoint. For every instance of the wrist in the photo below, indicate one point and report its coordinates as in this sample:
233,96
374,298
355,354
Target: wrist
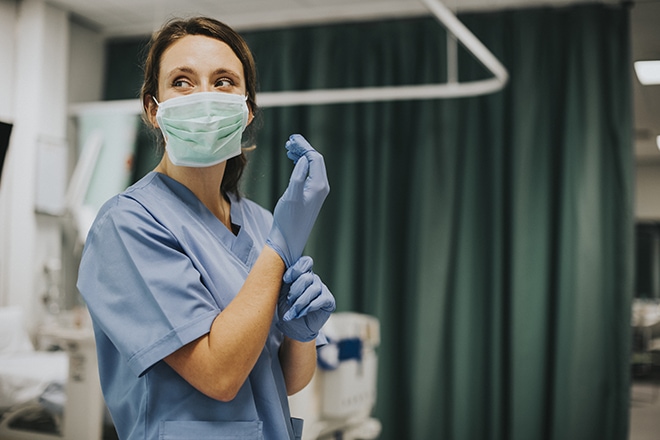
294,343
276,259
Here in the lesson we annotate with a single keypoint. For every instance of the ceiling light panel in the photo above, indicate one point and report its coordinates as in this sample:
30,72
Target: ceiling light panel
648,72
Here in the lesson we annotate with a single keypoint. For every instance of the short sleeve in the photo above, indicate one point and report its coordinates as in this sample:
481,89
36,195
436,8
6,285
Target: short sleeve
140,287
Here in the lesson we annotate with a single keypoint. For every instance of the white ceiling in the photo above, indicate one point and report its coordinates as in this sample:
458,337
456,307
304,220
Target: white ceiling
132,17
139,17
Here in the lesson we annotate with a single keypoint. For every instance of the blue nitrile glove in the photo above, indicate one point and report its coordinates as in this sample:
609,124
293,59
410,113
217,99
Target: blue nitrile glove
297,209
305,303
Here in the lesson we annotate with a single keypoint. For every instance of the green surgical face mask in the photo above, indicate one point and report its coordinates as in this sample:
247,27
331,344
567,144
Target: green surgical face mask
202,129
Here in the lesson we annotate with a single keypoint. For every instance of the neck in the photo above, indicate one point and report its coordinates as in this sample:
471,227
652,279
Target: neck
204,183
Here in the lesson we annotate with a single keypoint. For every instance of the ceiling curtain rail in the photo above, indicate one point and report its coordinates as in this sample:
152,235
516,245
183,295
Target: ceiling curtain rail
456,32
450,89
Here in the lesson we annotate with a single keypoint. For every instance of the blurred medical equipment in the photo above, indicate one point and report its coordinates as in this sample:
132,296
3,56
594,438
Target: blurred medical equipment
83,214
48,395
338,403
106,143
645,321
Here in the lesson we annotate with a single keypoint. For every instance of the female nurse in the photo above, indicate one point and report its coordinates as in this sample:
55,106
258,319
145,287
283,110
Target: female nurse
206,314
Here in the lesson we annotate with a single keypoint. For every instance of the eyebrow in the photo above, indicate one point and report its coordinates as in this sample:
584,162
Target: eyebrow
220,71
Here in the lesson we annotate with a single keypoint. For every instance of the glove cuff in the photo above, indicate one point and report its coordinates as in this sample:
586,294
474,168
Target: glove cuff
294,332
274,238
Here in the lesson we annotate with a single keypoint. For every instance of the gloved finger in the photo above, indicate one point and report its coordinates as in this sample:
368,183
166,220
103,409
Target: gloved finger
297,180
324,301
297,146
299,289
317,177
302,265
312,290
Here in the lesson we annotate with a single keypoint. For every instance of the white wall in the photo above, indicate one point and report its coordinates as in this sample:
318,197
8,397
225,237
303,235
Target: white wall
8,13
38,93
47,61
7,25
86,64
647,192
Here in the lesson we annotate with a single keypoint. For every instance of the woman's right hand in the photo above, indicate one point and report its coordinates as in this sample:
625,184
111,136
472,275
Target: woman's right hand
305,303
299,206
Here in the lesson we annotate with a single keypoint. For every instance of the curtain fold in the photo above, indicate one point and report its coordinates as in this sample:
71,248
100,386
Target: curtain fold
492,236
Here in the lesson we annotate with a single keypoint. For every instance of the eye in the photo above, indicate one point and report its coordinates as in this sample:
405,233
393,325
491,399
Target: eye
181,83
224,83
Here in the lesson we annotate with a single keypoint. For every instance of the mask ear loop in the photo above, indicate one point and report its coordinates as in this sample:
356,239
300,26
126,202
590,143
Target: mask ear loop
158,105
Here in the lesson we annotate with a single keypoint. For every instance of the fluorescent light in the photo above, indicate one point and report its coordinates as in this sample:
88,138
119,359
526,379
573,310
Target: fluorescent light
657,141
648,72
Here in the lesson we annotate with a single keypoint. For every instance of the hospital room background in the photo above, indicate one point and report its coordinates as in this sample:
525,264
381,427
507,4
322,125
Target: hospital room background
488,241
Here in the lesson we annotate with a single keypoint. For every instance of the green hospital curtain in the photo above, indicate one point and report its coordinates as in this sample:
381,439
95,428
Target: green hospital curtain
492,236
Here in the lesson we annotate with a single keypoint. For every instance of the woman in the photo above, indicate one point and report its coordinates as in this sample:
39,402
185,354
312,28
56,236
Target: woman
197,335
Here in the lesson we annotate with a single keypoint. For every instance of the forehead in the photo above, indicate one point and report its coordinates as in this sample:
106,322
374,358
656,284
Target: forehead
200,52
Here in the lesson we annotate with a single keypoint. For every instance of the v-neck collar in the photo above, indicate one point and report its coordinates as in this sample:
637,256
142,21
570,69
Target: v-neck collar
241,244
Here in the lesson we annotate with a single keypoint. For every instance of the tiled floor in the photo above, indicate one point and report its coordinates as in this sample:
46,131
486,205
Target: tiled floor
645,410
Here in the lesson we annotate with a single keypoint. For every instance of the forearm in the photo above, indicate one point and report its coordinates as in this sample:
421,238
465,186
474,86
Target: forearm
218,363
298,360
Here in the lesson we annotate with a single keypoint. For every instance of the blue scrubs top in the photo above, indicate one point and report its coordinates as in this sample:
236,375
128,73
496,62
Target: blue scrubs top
156,270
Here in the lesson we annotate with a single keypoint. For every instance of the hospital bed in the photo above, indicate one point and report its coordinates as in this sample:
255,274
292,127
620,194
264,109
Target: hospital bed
48,395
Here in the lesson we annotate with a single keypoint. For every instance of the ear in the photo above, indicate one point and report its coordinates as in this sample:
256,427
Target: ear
150,108
250,115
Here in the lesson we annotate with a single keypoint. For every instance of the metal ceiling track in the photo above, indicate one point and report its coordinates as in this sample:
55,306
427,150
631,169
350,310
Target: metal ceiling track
452,88
456,31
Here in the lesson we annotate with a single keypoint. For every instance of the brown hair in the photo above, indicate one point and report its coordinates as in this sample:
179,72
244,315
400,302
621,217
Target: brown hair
171,32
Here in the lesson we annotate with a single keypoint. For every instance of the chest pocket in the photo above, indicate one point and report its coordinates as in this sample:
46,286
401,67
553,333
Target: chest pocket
189,430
